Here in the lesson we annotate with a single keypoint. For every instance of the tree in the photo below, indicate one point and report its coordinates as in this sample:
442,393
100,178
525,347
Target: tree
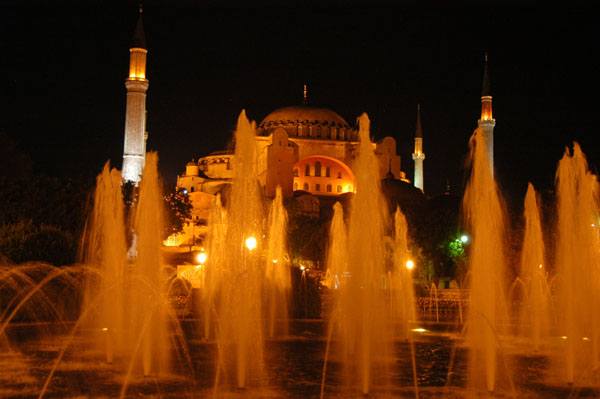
178,210
437,234
177,207
15,165
24,241
43,200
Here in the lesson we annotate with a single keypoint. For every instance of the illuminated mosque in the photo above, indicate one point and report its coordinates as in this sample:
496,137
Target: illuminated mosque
307,151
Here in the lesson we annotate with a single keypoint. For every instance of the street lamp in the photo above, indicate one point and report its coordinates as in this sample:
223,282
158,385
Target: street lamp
250,243
410,264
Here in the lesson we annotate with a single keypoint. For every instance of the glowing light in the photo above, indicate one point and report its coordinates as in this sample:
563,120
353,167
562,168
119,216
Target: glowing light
563,337
105,329
250,243
464,239
586,339
184,191
418,330
541,266
274,260
201,258
410,264
302,267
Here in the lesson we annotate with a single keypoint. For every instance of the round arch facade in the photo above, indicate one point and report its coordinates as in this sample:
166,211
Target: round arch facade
323,175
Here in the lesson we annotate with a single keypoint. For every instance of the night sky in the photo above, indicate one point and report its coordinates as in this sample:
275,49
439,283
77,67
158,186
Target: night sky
62,72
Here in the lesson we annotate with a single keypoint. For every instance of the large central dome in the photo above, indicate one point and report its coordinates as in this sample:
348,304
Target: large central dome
308,122
304,113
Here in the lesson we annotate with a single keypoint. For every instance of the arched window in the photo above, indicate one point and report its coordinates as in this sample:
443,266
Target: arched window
296,172
295,186
318,187
327,171
329,188
192,189
306,187
339,188
307,170
318,168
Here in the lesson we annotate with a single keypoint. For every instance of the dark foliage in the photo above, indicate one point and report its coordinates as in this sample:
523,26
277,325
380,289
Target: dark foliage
436,233
44,200
178,208
24,241
305,300
15,165
42,218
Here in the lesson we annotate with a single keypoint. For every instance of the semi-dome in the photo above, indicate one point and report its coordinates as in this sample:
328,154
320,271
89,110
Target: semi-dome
308,122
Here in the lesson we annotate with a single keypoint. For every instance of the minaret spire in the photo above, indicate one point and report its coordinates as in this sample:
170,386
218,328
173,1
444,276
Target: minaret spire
487,122
134,151
305,96
418,156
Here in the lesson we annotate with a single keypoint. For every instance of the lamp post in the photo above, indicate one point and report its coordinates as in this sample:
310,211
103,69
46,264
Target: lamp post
251,243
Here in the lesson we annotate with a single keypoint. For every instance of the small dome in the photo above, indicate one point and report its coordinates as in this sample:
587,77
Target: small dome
304,113
191,163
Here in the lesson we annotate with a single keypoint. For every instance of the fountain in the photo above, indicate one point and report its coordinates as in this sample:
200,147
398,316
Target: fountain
487,307
131,308
534,318
361,316
337,254
401,282
277,276
236,278
577,256
363,331
106,248
243,284
124,340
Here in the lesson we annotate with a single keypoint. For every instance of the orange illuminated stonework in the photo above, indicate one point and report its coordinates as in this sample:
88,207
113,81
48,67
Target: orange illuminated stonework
322,175
300,149
137,63
486,108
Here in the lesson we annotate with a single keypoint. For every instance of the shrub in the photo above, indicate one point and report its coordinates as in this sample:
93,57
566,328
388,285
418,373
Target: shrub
23,242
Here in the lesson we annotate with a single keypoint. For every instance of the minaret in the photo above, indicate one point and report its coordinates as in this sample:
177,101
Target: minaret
418,156
134,151
487,122
305,96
